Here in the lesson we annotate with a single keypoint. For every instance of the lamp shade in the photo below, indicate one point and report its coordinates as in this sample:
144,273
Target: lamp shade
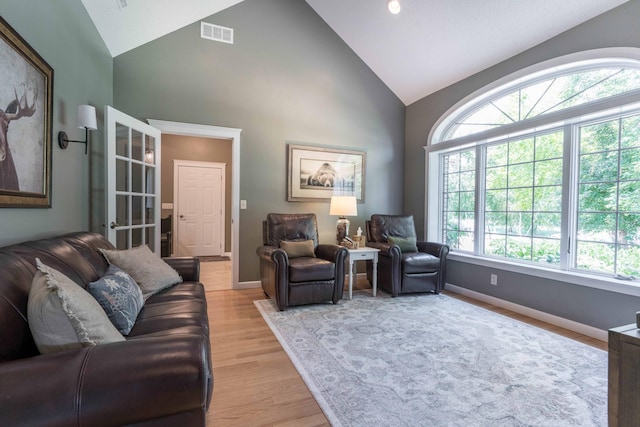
343,206
87,117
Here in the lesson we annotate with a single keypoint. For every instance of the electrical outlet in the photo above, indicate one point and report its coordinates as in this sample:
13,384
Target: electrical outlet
494,279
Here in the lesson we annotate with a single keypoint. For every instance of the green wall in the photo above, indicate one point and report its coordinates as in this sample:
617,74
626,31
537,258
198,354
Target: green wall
598,308
287,78
64,35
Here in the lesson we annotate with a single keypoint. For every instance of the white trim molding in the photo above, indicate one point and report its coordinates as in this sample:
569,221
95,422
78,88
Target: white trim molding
580,328
217,132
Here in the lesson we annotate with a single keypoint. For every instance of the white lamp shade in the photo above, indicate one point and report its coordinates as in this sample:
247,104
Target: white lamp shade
343,206
87,117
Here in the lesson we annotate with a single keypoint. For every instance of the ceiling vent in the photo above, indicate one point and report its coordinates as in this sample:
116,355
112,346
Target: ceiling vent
216,33
121,4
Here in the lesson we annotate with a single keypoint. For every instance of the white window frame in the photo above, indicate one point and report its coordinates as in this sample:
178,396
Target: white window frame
609,107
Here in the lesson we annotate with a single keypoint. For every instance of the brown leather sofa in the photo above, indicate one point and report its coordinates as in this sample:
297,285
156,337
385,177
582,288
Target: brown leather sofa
408,271
300,280
161,375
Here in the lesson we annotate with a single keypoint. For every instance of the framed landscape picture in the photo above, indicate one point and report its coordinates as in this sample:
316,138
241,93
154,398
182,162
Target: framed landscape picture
317,173
26,95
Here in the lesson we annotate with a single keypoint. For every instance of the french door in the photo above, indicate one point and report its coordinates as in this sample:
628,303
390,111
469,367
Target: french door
133,182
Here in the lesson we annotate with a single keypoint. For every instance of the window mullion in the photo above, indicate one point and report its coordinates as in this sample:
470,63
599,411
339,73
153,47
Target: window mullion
480,198
570,197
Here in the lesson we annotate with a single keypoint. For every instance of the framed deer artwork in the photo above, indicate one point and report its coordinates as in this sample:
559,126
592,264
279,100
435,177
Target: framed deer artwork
26,96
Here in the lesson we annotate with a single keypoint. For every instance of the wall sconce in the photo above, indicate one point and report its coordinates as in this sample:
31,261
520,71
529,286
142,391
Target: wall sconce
87,121
343,206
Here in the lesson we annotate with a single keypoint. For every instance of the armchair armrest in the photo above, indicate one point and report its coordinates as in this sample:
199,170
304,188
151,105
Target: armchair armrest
272,254
187,267
333,253
274,263
386,249
436,249
119,383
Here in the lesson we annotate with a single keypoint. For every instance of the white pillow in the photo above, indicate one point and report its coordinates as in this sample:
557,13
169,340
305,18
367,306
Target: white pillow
63,316
149,271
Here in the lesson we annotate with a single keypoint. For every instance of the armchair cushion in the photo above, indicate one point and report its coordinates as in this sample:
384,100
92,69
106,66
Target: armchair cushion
290,227
406,244
383,226
420,262
305,269
298,249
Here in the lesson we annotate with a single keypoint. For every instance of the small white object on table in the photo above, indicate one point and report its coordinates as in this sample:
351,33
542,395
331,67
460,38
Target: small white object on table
361,254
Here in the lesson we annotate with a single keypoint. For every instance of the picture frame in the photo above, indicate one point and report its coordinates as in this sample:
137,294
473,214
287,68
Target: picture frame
26,99
318,173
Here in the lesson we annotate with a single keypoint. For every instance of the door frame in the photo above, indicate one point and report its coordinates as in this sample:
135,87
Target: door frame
176,188
217,132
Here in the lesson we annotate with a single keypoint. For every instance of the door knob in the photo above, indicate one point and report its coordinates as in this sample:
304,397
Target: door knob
114,225
181,216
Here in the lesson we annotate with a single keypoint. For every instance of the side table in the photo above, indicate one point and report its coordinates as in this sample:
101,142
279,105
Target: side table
361,254
624,387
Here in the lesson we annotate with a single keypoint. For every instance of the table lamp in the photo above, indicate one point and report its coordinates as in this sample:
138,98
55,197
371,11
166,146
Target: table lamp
343,206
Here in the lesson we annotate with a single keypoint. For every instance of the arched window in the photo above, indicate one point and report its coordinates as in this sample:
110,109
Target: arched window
542,168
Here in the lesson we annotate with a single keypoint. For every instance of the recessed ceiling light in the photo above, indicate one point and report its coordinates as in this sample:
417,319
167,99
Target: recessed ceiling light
394,6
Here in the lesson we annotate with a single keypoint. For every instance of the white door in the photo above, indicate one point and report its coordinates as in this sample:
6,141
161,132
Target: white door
199,208
133,182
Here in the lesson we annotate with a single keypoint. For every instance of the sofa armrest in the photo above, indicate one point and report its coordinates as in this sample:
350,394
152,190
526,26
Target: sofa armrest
112,384
187,267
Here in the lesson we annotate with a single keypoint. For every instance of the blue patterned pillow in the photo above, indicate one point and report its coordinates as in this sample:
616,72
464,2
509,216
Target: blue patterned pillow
120,297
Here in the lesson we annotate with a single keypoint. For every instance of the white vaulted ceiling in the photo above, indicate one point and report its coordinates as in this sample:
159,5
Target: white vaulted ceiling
428,46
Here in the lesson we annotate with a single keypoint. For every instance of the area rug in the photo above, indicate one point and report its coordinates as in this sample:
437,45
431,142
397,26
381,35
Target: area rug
433,360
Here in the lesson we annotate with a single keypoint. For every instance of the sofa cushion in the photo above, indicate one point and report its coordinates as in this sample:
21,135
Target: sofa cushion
306,269
147,269
406,244
298,249
63,316
120,297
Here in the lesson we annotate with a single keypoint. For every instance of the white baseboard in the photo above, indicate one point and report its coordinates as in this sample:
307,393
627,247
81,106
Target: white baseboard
249,285
583,329
227,254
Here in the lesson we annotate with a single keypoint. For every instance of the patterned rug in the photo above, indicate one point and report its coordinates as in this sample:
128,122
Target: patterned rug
433,360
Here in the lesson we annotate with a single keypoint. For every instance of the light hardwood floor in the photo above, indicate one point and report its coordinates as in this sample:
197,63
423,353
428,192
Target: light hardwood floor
255,382
216,275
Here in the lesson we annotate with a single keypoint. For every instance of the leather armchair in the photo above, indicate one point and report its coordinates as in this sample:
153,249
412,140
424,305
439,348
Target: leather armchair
410,271
299,280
